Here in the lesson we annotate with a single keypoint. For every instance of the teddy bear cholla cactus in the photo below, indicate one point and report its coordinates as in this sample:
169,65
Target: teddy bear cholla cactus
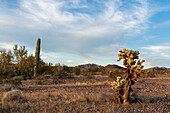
133,70
118,85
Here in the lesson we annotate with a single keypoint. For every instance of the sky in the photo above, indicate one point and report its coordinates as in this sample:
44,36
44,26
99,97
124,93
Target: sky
75,32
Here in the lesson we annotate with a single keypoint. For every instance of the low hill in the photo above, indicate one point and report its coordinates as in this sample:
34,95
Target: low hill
158,69
113,67
86,66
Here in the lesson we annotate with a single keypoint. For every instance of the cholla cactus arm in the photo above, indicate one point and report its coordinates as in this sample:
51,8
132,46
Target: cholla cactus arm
118,86
114,83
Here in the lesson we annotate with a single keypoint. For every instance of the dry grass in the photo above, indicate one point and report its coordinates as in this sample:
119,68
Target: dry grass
8,87
80,96
59,98
13,95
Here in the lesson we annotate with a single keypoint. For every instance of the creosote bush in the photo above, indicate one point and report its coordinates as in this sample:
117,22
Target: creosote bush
116,73
12,95
8,87
14,81
133,69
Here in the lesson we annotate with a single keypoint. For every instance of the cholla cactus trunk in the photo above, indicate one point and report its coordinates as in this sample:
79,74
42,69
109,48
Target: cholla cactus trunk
128,84
37,57
119,94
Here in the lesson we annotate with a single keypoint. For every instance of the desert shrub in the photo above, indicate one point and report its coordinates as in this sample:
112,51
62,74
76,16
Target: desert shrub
66,69
116,73
8,87
149,74
47,76
93,98
2,77
63,75
77,70
12,95
17,80
58,81
89,76
40,80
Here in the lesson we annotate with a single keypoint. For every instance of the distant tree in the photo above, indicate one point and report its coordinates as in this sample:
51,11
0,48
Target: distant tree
28,67
20,56
43,67
66,68
5,60
50,64
19,53
77,70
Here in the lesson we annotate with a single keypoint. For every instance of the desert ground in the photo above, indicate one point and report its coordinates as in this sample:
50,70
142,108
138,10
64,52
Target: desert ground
95,95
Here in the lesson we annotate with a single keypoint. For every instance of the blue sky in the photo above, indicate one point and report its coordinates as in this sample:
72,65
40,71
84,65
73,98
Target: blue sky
76,32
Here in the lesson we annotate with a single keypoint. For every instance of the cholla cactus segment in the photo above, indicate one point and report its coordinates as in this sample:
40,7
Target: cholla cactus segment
118,84
114,83
122,81
118,79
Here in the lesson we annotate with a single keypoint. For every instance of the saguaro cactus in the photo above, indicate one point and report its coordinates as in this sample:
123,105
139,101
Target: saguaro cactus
37,57
133,70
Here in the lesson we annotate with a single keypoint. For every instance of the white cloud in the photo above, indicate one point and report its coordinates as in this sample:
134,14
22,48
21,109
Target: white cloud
74,26
147,64
156,55
163,24
46,11
7,46
157,48
69,61
87,62
49,56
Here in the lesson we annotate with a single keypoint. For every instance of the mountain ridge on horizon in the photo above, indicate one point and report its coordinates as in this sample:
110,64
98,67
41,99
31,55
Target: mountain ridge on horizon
92,65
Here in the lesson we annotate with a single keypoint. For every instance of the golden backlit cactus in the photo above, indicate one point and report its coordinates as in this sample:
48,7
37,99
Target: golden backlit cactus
133,69
118,85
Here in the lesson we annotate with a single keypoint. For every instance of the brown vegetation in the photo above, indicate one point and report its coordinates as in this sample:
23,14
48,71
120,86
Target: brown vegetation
89,95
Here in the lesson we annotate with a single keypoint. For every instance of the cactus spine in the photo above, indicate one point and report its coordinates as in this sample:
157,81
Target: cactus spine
37,57
133,70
